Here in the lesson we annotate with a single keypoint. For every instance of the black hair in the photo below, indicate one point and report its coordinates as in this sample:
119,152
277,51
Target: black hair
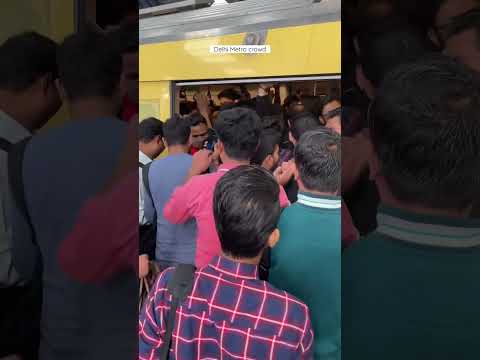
246,208
463,22
273,122
90,64
424,127
387,45
197,119
230,93
239,131
187,107
434,9
26,57
269,139
177,130
290,99
114,12
149,129
329,99
318,159
312,104
125,38
301,123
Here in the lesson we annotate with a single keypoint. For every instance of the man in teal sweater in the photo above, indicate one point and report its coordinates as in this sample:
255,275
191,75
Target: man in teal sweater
411,289
306,262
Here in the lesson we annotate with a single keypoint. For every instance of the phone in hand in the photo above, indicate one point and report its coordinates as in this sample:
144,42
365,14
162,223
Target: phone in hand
212,139
209,144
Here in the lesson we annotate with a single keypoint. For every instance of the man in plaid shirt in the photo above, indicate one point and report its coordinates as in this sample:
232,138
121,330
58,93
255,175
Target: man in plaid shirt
231,314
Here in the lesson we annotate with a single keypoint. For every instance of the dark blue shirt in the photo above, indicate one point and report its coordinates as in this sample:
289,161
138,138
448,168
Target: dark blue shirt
63,167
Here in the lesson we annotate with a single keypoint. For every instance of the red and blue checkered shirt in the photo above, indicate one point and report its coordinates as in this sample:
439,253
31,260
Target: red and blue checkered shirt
231,314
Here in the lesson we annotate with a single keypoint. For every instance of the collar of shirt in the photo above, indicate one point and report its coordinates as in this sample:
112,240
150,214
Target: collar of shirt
144,159
193,150
430,230
227,166
234,269
12,130
319,201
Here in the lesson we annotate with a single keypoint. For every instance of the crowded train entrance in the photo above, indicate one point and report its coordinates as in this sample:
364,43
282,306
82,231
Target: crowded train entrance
310,91
252,150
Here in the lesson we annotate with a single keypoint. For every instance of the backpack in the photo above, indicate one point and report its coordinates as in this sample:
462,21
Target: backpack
148,232
180,286
32,265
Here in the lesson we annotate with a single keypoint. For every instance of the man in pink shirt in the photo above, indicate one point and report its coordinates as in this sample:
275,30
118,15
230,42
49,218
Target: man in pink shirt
238,132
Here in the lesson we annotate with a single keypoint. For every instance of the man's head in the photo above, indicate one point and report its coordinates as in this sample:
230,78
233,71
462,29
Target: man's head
199,130
318,161
126,38
90,67
293,106
150,137
246,211
445,10
268,152
176,131
331,114
238,132
28,70
300,124
424,129
456,30
384,46
229,96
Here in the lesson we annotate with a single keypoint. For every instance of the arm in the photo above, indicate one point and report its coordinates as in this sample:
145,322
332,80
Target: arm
203,106
277,100
284,202
101,245
200,163
306,342
182,204
180,208
349,231
357,152
152,320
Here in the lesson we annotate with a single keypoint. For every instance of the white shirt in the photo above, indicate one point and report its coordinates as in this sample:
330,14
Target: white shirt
144,159
13,132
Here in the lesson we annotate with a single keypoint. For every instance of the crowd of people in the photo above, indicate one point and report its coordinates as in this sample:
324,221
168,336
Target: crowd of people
240,196
410,176
266,228
52,308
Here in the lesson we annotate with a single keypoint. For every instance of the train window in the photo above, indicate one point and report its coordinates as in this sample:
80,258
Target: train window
311,91
163,7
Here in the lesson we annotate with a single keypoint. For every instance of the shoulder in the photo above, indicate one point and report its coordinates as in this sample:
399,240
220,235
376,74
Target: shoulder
365,254
202,180
161,283
296,310
289,212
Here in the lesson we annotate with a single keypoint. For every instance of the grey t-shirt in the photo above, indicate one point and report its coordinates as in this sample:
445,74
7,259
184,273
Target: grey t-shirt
175,243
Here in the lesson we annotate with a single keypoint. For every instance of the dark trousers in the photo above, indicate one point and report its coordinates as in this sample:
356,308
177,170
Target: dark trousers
20,314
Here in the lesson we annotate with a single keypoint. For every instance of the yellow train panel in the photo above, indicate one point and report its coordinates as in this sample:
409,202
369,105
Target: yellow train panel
298,50
154,100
